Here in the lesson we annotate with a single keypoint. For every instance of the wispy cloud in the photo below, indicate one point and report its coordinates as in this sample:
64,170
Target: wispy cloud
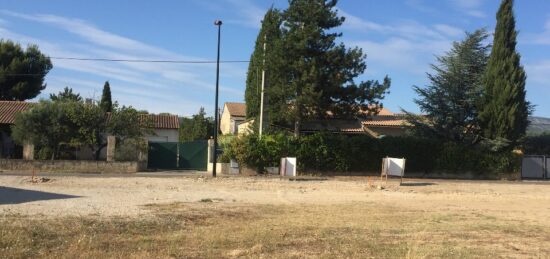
355,23
449,30
542,38
249,13
184,83
406,45
470,7
538,72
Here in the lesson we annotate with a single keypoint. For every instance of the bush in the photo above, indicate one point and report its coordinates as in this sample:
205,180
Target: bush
537,145
258,153
339,153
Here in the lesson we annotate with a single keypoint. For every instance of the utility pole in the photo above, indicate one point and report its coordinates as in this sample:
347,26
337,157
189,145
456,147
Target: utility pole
215,158
262,94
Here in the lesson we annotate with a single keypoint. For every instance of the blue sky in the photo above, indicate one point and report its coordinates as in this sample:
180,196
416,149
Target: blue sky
400,38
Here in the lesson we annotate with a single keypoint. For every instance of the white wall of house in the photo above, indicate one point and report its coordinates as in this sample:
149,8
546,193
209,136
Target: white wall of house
164,135
229,124
225,122
245,127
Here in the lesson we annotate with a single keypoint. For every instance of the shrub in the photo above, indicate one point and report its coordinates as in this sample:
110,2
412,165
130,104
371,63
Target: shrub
258,153
537,145
339,153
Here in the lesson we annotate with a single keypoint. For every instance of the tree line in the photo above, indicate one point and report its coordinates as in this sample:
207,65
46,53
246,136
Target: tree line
67,120
477,91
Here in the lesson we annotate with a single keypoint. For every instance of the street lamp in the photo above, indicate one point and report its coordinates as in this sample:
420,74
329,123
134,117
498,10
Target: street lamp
219,24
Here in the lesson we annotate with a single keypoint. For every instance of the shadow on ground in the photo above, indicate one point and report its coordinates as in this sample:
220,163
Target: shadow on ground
10,195
417,184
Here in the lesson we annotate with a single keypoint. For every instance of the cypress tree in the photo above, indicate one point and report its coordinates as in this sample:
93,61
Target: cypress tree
269,34
106,103
505,111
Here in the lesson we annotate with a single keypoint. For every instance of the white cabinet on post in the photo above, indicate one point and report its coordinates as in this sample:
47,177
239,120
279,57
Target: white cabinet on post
288,166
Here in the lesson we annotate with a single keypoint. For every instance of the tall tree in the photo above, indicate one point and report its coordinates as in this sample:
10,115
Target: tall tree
505,111
318,78
66,95
269,35
22,72
106,102
451,101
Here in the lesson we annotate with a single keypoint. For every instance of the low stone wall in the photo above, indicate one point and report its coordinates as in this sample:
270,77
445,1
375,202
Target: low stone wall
70,166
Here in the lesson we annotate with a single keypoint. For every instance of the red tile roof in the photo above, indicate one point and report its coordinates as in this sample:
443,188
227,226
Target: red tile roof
236,109
157,121
8,110
332,125
386,123
385,112
162,121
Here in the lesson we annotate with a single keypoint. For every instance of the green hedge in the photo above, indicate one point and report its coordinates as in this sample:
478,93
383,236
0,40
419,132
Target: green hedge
537,145
339,153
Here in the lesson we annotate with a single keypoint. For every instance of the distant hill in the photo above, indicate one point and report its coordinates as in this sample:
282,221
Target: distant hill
538,125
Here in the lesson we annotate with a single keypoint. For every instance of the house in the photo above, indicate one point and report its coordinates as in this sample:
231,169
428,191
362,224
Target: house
165,128
8,110
233,114
245,127
385,123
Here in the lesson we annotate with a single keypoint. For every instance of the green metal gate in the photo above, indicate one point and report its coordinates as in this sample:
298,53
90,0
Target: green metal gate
172,155
163,155
193,155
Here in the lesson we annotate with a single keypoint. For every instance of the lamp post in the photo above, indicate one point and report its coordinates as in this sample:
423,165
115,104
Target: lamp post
215,158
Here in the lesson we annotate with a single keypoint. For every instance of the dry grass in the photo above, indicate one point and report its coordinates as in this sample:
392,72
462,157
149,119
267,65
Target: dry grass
214,230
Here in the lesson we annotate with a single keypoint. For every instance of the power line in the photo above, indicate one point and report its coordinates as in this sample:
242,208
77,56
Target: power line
134,61
151,61
22,74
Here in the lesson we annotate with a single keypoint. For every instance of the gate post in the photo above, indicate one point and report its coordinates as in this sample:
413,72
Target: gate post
111,143
210,156
28,151
144,151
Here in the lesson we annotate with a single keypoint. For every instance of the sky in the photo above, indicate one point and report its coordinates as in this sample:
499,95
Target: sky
401,38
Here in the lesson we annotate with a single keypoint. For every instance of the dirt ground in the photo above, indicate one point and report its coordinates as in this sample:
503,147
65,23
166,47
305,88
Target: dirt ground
125,196
430,217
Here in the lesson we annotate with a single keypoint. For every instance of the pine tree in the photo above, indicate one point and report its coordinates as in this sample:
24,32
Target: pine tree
67,95
269,34
106,103
15,64
505,111
318,77
451,101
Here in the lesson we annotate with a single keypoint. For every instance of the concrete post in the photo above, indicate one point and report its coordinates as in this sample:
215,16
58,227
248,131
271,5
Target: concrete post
210,150
210,159
111,143
28,151
144,152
